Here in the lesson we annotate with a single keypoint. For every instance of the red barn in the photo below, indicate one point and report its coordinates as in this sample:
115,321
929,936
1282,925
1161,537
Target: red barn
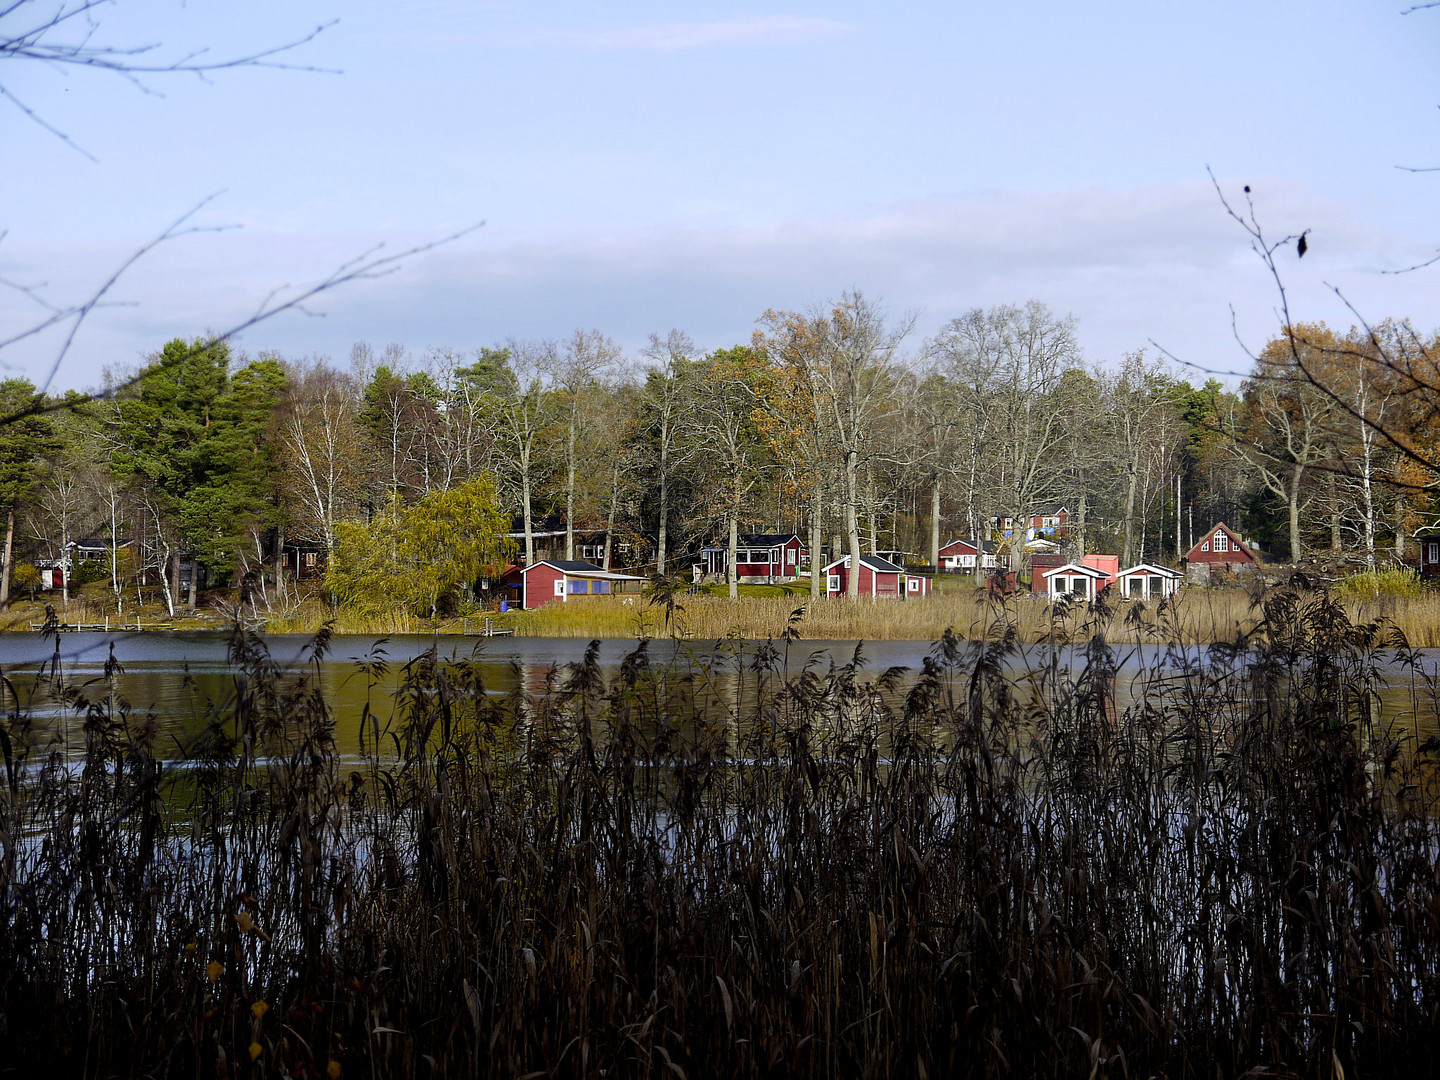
1219,552
559,579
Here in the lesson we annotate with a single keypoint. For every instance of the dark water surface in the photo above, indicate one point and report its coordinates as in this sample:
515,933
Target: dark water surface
180,677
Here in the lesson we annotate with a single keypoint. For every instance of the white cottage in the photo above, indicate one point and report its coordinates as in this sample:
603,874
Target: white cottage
1073,579
1144,581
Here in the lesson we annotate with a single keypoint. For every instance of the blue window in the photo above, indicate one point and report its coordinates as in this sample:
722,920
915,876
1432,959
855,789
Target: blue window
599,587
577,586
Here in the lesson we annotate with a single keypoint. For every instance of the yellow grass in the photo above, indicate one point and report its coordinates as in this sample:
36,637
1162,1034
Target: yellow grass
1201,615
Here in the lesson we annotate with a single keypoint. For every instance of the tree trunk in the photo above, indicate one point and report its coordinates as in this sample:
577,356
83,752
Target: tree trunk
1335,516
5,569
870,507
664,519
1296,475
525,513
570,490
1082,510
172,594
935,523
817,525
732,571
1133,470
1400,526
610,521
852,521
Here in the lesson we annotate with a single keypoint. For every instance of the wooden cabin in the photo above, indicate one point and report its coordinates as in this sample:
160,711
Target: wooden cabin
1429,541
878,578
1218,554
968,556
1073,579
762,558
544,582
1145,581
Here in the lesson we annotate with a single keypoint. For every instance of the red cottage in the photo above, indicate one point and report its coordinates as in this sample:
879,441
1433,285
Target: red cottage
759,557
967,556
549,580
878,578
1218,553
1429,541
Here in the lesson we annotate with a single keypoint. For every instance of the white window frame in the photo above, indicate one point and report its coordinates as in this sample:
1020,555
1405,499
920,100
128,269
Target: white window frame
913,584
560,586
1222,542
833,584
1434,552
1205,546
791,555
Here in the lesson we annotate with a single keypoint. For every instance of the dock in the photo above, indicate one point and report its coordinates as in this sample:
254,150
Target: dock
490,629
101,628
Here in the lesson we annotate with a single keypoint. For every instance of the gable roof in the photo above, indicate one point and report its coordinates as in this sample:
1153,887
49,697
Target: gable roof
756,540
1236,544
1150,568
576,568
987,546
873,562
1070,569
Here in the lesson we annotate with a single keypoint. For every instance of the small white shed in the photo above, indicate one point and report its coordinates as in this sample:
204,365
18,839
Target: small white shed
1145,581
1073,579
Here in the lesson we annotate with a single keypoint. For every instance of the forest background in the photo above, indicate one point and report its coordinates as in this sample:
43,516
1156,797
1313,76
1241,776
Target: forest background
835,423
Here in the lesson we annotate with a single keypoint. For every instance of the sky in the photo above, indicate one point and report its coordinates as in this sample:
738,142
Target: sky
636,166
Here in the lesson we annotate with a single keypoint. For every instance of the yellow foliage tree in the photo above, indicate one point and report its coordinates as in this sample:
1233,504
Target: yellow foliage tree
414,556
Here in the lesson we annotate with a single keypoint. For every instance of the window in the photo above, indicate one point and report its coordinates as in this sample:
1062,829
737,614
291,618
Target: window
790,556
914,584
1434,552
560,586
579,585
599,587
1222,542
310,559
834,584
967,561
1205,546
592,552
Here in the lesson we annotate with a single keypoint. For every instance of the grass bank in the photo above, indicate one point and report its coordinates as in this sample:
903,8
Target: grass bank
1200,615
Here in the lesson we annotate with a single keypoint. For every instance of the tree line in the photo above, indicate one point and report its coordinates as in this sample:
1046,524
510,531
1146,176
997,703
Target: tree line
838,423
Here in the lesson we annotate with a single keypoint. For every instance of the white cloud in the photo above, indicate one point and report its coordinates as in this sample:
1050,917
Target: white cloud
1161,263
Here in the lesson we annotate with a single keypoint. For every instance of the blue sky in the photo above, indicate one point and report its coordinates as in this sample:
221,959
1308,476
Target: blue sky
640,166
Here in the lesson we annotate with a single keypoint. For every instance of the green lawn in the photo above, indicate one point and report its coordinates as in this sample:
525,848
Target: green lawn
792,588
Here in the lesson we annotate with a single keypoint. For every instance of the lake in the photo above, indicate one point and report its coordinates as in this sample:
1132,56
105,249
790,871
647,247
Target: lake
179,676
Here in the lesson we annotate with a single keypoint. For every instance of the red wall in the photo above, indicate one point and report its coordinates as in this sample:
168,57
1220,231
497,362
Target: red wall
540,585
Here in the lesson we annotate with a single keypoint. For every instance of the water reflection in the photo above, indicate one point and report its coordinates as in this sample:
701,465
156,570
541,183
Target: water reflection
183,678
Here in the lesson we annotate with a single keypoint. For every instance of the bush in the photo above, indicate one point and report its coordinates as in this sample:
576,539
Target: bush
1396,583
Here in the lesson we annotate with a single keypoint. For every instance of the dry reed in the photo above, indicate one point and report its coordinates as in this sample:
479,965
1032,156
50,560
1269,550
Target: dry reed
746,868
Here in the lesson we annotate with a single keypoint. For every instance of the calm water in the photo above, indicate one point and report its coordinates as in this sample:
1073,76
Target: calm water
181,676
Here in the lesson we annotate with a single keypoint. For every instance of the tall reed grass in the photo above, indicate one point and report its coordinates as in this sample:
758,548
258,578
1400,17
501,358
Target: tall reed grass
748,867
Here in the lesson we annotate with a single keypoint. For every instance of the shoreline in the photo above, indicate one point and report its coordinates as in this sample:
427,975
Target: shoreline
1200,616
